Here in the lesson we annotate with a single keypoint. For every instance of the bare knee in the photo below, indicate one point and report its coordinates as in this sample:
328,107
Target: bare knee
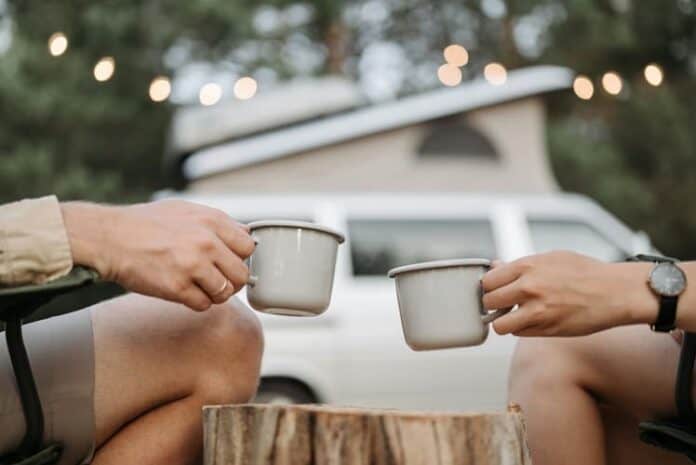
539,367
232,340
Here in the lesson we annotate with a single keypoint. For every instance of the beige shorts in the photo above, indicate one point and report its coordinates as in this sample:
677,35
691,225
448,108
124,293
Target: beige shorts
61,351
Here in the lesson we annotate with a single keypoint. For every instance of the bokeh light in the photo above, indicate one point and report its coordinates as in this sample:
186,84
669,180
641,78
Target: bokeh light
449,75
583,87
612,83
653,74
104,69
495,73
456,55
160,88
245,88
57,44
210,94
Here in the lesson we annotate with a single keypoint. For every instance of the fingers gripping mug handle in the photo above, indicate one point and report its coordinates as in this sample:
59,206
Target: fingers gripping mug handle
492,316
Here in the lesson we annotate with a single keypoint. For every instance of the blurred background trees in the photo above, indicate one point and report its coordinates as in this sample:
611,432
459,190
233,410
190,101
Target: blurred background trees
64,132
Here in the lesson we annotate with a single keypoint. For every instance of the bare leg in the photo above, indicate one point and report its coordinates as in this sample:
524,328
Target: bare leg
157,364
561,383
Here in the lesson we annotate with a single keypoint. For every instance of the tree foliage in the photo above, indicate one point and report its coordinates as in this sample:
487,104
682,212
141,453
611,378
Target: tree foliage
63,132
635,152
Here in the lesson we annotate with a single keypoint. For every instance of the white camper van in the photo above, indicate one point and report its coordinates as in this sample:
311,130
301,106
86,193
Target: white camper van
355,354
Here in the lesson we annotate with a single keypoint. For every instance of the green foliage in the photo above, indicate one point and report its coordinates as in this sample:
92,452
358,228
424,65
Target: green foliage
634,153
62,132
32,171
638,161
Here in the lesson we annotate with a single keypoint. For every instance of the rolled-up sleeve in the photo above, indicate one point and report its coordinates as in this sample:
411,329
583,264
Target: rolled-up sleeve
34,246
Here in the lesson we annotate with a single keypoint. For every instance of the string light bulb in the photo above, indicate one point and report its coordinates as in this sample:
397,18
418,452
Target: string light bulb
495,73
583,87
456,55
104,69
210,94
245,88
653,74
612,83
449,75
57,44
160,89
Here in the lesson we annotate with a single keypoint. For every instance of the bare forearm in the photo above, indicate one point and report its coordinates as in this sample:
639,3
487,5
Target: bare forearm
87,225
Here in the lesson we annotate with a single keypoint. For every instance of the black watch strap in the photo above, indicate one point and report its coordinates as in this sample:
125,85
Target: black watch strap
667,315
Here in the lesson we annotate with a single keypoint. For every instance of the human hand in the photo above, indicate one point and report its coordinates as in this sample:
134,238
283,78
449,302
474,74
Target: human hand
174,250
567,294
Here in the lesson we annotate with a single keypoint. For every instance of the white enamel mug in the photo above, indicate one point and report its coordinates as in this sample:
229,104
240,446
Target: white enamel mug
440,303
292,269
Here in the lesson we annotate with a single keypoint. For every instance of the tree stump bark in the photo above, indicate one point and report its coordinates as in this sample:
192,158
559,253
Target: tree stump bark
269,434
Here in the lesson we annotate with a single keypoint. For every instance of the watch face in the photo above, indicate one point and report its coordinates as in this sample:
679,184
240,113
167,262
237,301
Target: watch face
667,279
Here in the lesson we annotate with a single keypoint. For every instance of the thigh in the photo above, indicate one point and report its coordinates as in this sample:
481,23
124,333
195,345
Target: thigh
630,368
149,353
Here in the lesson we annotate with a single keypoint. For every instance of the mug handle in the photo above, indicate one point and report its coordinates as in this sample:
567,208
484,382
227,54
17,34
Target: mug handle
494,315
490,317
251,282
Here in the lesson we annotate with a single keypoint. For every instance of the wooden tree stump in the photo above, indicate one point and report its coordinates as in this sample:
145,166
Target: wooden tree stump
320,435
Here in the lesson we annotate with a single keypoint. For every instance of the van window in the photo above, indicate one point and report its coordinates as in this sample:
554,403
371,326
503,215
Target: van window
548,235
379,245
456,140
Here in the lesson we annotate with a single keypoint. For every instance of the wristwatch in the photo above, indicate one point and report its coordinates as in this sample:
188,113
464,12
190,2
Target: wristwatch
668,282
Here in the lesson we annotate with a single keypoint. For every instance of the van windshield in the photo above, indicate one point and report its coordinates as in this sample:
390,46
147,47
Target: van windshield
379,245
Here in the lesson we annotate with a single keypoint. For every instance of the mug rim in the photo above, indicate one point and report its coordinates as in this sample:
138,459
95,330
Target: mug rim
296,225
438,264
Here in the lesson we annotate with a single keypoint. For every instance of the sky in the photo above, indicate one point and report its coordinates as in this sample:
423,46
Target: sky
5,28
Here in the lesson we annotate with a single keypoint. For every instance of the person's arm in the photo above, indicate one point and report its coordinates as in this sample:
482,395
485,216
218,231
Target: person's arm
34,246
174,250
567,294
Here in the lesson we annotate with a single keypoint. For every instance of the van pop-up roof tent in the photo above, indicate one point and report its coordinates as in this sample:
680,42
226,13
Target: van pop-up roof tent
322,135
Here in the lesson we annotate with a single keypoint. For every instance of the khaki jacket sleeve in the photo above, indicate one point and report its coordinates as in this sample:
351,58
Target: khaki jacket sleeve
34,246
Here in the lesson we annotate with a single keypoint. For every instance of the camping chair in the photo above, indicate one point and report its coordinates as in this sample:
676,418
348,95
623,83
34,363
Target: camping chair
16,304
679,434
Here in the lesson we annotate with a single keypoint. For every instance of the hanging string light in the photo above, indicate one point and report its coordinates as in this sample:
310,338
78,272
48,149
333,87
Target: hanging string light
104,69
160,89
583,87
495,73
245,88
653,74
210,94
449,75
456,55
57,44
612,83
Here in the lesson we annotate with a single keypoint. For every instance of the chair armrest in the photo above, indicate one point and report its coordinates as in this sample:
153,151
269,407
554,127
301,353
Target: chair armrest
78,277
27,298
